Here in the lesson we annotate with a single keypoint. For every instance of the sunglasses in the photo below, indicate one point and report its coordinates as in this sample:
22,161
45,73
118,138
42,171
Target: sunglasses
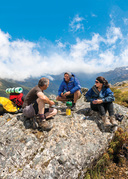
96,81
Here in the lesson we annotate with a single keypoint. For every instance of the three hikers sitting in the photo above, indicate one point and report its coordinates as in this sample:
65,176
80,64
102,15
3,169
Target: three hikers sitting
70,89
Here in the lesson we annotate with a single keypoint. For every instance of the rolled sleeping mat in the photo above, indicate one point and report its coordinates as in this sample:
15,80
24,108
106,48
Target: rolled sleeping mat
14,90
18,90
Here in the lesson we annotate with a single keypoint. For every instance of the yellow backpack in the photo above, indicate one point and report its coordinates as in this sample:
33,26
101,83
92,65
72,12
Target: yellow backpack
8,105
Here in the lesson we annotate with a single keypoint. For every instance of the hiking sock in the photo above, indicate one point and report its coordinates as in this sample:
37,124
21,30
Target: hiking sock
42,116
73,104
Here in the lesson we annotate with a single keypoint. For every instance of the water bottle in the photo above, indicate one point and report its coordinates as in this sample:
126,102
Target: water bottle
68,110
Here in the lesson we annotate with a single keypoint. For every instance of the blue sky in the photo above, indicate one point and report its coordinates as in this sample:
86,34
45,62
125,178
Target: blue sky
49,37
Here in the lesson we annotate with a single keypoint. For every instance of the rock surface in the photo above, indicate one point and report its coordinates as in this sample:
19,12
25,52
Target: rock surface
120,83
72,146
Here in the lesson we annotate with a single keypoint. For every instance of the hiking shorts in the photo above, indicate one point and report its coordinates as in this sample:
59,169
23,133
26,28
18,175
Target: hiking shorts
70,97
32,110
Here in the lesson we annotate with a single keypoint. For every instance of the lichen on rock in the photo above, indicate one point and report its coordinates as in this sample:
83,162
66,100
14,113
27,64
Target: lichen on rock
66,151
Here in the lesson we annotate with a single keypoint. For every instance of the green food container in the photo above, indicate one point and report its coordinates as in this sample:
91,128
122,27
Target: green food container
69,103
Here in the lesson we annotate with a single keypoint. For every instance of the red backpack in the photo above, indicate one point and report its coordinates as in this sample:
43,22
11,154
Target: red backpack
17,98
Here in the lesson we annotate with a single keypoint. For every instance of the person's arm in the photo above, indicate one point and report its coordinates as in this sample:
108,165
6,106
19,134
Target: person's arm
61,90
97,101
76,86
45,98
109,96
88,95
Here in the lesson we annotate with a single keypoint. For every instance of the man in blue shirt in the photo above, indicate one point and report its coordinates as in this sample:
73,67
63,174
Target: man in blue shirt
69,89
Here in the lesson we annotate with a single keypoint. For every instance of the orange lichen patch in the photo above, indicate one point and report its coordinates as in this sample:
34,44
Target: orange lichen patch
8,119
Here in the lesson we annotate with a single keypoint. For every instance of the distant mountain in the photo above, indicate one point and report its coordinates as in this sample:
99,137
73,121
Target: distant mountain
86,80
116,75
4,84
53,87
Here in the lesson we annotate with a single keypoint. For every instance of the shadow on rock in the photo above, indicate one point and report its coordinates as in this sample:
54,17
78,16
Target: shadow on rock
29,123
101,126
85,111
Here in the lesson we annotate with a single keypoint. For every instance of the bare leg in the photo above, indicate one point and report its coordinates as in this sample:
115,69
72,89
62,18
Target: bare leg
41,108
52,112
61,99
77,94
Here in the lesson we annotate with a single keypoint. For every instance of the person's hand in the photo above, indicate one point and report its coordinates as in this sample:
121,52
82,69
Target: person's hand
67,93
98,101
63,95
51,103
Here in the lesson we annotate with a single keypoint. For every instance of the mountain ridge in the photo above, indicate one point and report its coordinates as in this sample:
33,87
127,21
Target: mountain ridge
86,80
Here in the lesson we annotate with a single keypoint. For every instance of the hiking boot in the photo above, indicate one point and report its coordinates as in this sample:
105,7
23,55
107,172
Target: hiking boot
106,121
73,108
45,126
34,123
89,112
113,121
27,123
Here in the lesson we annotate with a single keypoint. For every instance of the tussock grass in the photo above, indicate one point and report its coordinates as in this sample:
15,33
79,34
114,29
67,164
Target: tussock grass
108,165
121,95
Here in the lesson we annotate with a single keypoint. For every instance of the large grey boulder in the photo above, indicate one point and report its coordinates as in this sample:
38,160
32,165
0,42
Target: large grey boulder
72,146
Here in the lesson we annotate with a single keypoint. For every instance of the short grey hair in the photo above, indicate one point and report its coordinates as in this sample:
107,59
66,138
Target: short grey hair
69,73
43,81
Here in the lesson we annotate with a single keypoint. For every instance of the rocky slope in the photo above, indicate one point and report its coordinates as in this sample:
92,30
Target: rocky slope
120,90
67,151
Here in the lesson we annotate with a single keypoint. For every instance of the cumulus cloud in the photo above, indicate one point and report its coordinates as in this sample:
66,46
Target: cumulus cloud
125,21
21,59
93,15
113,34
76,24
82,47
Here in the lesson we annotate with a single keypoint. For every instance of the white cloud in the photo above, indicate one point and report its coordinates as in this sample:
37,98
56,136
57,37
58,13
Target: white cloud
60,44
124,56
107,58
20,59
125,21
76,24
113,34
82,47
93,15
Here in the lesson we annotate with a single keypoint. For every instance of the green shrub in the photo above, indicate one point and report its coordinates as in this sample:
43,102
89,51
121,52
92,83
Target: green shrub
120,96
111,155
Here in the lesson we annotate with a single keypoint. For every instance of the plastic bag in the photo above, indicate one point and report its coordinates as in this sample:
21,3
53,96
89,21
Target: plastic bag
119,117
8,105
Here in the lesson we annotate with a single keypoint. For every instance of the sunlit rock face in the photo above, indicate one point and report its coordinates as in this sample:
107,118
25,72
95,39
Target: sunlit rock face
74,143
